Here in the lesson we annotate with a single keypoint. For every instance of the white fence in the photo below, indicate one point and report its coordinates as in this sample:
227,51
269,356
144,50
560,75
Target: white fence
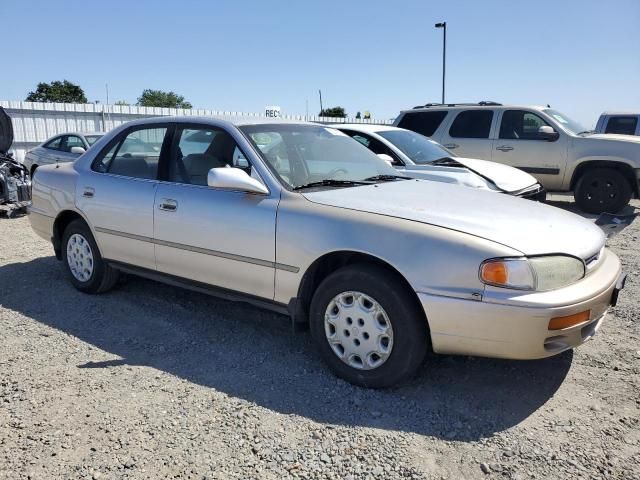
33,122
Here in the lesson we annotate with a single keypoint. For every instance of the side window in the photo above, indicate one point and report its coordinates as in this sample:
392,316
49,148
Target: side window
425,123
373,144
472,124
71,141
135,154
622,125
54,144
201,149
521,125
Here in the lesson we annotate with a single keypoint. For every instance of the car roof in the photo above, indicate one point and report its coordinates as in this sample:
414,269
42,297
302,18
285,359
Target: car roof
365,127
213,121
474,107
621,113
83,134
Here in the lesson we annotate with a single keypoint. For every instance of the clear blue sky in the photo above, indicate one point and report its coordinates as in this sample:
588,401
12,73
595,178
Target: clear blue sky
582,57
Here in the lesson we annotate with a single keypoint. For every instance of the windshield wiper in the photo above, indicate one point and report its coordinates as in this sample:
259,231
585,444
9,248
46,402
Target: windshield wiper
385,178
329,182
586,132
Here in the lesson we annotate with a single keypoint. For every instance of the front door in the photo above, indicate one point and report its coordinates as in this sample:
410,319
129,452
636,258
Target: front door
519,144
218,237
119,192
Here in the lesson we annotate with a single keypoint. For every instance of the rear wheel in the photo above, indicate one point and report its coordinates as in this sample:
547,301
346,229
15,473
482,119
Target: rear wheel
367,327
602,190
82,261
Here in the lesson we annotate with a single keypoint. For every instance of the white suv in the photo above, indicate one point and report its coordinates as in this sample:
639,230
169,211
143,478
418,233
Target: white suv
603,171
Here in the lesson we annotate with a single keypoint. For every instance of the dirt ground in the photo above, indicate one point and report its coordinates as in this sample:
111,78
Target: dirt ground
149,381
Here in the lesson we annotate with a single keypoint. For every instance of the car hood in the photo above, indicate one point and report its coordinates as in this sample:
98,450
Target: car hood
6,131
506,178
458,175
614,137
529,227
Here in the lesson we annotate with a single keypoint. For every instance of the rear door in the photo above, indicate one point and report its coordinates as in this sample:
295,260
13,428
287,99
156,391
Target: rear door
117,194
469,133
518,144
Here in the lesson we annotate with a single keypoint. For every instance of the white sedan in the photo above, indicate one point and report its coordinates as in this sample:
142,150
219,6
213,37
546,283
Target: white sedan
420,157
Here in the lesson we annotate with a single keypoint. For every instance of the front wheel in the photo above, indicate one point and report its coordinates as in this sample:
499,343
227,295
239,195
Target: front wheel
602,190
367,327
82,261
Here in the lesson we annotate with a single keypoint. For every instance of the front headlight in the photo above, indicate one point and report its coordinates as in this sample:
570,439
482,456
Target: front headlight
542,273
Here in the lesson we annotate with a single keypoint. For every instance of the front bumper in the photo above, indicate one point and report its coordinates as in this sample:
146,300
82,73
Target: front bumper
517,327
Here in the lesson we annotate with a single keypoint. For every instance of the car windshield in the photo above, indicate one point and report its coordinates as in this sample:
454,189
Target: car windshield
567,123
417,147
302,155
91,139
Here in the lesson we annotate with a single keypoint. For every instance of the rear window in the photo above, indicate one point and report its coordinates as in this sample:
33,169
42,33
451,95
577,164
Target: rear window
472,124
622,125
425,123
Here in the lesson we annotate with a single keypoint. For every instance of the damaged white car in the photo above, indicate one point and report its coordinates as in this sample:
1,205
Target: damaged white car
420,157
15,182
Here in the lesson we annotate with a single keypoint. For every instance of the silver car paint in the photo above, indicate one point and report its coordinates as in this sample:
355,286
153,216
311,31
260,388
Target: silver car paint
40,155
434,234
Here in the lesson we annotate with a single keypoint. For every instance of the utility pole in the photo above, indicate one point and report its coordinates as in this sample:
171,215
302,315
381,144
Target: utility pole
443,25
320,93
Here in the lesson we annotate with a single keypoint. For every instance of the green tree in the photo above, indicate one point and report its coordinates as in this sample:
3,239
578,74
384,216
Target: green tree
158,98
122,102
337,112
358,115
57,91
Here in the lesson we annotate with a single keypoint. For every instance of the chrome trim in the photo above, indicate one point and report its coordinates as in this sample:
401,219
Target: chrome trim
204,251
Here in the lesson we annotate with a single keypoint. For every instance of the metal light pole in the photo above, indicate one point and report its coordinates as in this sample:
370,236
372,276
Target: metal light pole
443,25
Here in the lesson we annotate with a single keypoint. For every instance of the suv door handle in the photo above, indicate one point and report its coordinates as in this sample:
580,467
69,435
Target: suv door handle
88,192
504,148
451,145
168,205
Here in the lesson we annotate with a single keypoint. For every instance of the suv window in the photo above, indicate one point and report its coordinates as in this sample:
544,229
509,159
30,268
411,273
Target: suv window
198,150
373,144
472,124
71,141
425,123
622,125
521,125
134,154
54,144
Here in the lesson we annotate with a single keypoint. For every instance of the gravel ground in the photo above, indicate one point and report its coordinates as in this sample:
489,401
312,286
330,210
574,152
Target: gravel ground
149,381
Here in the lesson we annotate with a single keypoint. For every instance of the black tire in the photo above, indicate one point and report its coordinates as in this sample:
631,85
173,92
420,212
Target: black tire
103,277
33,170
600,190
410,330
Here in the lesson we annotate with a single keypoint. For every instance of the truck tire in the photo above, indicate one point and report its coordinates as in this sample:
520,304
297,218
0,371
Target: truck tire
367,327
600,190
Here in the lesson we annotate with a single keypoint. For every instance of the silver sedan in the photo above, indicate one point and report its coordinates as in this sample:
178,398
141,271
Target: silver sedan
65,147
305,221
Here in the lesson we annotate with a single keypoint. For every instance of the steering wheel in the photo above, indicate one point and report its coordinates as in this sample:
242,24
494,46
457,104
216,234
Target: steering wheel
335,171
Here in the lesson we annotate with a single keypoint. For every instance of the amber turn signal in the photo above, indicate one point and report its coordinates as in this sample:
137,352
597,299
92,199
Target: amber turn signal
560,323
495,272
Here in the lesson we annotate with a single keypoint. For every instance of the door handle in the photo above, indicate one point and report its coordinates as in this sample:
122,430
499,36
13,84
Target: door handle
504,148
451,145
88,192
168,205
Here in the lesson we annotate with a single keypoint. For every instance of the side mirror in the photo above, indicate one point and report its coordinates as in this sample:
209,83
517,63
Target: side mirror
547,133
234,179
77,150
386,158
